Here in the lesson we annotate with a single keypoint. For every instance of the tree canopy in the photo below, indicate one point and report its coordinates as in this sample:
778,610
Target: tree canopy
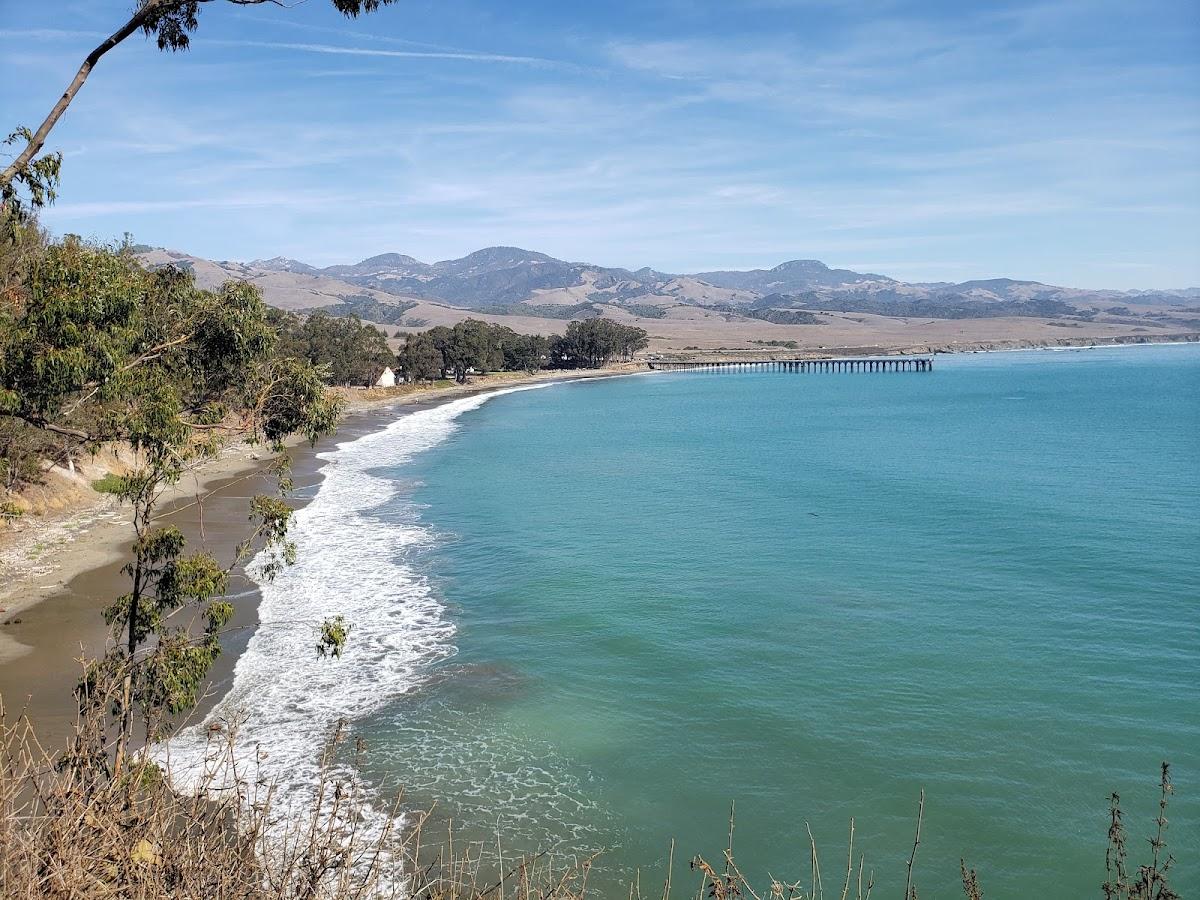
470,346
475,346
420,359
94,348
347,351
592,343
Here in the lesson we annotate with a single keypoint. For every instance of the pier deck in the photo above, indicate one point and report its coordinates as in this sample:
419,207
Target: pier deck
835,364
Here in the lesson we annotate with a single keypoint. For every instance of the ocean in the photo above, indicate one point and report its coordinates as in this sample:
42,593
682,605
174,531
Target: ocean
592,616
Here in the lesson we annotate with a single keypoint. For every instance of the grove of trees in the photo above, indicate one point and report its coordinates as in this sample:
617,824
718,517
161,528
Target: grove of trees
348,351
475,346
592,343
470,346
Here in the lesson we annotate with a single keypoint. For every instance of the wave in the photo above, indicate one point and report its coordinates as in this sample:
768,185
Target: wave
285,700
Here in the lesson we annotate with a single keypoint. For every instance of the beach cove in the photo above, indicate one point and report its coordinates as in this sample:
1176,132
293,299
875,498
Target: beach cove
559,555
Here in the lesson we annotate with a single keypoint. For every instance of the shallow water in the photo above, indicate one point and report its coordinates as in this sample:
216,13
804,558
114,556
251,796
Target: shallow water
591,616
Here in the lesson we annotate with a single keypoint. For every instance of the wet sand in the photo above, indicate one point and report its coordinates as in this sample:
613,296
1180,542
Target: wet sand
68,627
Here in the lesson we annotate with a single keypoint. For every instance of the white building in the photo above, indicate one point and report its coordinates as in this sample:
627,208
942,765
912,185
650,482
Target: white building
387,378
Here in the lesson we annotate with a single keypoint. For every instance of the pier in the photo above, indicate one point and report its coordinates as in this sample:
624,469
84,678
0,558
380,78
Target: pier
843,364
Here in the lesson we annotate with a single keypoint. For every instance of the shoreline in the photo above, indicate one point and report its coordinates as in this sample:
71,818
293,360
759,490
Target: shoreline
1080,343
62,572
943,349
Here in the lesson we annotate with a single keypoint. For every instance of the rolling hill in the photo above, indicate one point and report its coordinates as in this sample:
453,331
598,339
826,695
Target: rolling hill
534,292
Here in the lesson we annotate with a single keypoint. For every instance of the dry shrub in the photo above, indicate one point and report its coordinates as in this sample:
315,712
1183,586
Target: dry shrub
69,828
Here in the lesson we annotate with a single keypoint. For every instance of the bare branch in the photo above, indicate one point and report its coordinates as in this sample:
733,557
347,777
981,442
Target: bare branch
908,888
42,423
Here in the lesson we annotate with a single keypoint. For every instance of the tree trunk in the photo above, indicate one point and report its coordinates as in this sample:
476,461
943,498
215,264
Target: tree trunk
141,522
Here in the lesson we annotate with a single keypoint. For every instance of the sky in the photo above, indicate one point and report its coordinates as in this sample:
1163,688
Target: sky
1057,140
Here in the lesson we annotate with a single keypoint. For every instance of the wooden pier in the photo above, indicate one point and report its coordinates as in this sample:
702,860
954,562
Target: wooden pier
843,364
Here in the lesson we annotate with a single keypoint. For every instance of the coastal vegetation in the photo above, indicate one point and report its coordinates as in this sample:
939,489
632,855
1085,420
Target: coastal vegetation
344,349
470,346
476,346
96,350
592,343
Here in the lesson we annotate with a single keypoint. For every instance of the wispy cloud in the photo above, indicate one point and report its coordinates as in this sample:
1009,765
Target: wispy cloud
49,34
241,200
334,50
1025,137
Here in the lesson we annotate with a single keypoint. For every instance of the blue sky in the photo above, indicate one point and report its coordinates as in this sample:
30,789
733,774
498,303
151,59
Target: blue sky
1057,140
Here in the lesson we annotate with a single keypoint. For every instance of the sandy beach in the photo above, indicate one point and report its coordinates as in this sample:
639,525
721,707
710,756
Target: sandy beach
59,571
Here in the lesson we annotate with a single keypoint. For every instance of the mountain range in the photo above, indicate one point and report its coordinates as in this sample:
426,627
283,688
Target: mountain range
510,281
499,276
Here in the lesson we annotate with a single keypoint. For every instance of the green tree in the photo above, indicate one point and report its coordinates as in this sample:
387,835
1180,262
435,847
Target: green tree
591,343
94,349
171,24
476,346
472,348
443,341
419,358
347,350
352,352
526,353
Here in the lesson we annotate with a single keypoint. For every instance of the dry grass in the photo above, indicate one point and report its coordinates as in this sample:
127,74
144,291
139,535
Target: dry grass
69,828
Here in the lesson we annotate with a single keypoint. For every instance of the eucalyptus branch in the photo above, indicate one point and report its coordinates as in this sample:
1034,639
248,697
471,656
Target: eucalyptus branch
171,21
37,139
38,421
154,353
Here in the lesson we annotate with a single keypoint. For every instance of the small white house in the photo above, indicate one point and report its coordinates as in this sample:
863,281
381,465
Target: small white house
387,378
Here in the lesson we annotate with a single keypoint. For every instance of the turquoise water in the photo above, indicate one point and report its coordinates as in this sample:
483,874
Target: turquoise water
815,595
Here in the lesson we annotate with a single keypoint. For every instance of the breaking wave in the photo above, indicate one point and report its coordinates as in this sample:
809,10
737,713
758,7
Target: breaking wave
286,701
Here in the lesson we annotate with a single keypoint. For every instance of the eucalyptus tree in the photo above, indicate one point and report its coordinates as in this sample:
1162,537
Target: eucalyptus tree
171,24
347,349
353,352
525,352
419,358
591,343
97,349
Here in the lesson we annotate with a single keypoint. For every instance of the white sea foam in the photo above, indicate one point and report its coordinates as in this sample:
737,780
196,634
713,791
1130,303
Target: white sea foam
286,699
